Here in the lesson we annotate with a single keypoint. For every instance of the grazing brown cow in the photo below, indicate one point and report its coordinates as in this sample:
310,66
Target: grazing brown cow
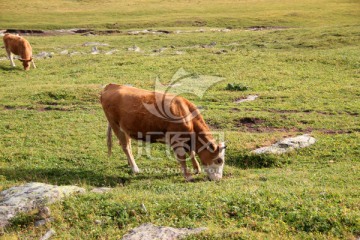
130,114
19,46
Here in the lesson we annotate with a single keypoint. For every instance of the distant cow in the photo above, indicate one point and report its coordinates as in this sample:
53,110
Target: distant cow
129,116
19,46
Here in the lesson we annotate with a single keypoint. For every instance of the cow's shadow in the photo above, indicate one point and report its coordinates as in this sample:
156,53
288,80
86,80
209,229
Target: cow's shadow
9,68
76,176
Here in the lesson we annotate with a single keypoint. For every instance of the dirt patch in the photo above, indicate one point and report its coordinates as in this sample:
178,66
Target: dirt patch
302,111
247,121
61,32
263,28
39,109
25,32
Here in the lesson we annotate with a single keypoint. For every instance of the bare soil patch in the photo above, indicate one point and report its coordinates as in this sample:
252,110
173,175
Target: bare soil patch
263,28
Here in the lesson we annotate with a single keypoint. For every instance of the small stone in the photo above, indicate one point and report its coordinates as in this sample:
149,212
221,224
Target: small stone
144,208
40,223
44,212
64,52
134,49
95,50
48,234
98,222
111,52
101,190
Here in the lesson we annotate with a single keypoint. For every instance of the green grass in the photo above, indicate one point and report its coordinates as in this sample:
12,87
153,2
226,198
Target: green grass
52,126
116,14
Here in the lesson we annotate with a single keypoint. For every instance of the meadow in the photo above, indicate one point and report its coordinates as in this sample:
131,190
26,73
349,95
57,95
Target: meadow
303,62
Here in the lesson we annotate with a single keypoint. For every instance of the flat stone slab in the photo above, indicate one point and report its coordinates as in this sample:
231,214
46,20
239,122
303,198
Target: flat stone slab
247,99
101,190
31,196
287,145
149,231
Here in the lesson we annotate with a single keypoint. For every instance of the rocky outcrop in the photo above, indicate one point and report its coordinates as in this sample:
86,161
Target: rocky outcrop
31,196
287,144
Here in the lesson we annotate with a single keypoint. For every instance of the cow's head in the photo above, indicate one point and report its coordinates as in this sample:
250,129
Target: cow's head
213,159
26,63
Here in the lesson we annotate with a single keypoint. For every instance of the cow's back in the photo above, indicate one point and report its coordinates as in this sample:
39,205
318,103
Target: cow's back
126,107
18,45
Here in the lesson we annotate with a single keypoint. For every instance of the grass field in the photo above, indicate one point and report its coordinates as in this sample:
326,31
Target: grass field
307,76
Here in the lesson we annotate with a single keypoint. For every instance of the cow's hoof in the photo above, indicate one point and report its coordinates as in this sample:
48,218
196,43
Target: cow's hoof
197,171
136,170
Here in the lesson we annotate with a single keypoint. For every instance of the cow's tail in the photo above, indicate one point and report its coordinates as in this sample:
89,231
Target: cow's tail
109,139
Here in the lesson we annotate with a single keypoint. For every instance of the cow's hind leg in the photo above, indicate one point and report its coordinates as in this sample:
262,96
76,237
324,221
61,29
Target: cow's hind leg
181,157
10,56
125,142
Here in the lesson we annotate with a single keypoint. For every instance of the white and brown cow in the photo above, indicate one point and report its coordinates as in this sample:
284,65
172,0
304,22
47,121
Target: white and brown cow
19,46
129,117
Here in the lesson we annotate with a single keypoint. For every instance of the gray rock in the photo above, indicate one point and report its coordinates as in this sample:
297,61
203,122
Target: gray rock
101,190
287,145
31,196
74,53
149,231
95,50
64,52
40,222
111,52
44,212
98,222
48,234
159,50
247,99
94,44
44,55
134,49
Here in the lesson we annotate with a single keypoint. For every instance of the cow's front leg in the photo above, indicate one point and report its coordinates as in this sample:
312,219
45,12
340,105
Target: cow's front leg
181,157
195,163
33,63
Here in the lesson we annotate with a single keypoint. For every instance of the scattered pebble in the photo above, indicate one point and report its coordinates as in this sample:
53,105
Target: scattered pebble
44,55
111,52
64,52
40,223
134,49
95,50
48,234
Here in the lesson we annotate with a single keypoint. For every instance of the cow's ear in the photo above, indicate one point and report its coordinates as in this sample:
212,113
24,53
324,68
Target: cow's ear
211,147
222,146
